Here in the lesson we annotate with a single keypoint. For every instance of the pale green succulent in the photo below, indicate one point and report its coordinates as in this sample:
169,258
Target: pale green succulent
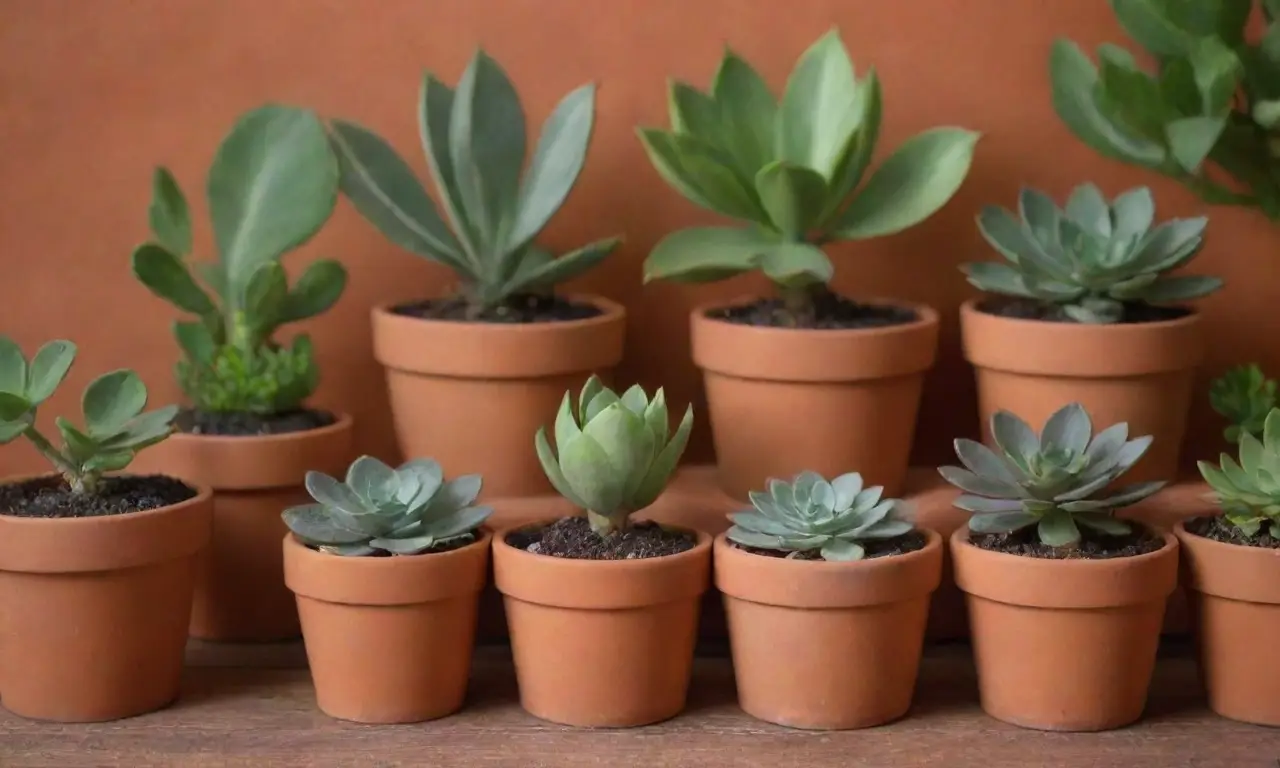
1054,481
1249,491
1092,257
616,454
810,513
1244,396
403,511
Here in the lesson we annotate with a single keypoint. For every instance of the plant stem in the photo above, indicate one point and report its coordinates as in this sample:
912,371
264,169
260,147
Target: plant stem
607,525
79,482
797,301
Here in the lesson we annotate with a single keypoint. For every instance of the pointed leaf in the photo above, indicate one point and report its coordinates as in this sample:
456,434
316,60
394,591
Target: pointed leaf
1103,523
820,92
1001,522
792,195
980,484
165,275
318,289
859,147
981,460
265,296
1015,437
196,341
435,114
111,461
994,277
551,467
659,474
1088,208
1068,429
1191,139
701,254
694,113
169,218
590,475
1181,288
1133,210
553,272
313,525
749,112
13,367
702,173
111,400
47,370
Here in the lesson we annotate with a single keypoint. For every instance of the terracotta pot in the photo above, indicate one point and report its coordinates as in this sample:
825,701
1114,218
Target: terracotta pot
1234,593
827,645
602,643
1140,373
1064,645
94,610
785,400
471,395
240,591
388,639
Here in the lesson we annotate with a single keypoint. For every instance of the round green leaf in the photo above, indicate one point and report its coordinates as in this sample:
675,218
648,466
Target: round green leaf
168,214
705,254
13,367
315,291
111,400
48,368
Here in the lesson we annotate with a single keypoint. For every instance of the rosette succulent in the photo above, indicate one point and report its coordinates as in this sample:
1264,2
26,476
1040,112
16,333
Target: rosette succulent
1249,491
1244,396
613,454
1056,481
383,511
1092,257
809,513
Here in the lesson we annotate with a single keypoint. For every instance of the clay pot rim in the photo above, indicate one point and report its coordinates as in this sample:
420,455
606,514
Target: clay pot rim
610,312
961,537
927,316
384,564
500,540
969,308
933,541
343,422
203,494
1180,530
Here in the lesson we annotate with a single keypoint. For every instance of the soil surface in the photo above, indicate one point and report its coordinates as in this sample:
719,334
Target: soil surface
448,546
1093,546
1221,529
238,424
51,497
572,537
832,312
1029,309
524,308
901,545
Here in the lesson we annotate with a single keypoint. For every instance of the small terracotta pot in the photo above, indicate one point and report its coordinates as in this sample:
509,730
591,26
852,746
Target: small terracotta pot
785,400
1234,593
602,643
94,610
388,639
1140,373
1064,645
472,394
240,591
823,645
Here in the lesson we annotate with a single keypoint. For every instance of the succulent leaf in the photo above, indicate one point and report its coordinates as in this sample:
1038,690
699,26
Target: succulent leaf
168,215
748,112
316,290
1244,396
47,370
13,367
1249,492
112,400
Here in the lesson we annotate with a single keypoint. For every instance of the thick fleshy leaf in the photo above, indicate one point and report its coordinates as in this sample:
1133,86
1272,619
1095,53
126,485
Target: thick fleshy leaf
13,367
1191,139
111,400
1068,429
372,480
559,270
792,195
748,110
1058,529
1181,288
840,550
887,529
265,296
78,444
316,290
1132,211
1015,437
981,485
1088,208
626,441
591,476
144,429
796,264
760,523
551,467
109,461
655,481
168,214
859,147
48,368
313,524
656,417
743,537
1001,522
994,277
340,500
435,115
703,173
166,276
1011,239
846,487
461,491
694,113
703,254
196,341
981,460
984,505
461,522
1103,523
820,92
10,430
406,546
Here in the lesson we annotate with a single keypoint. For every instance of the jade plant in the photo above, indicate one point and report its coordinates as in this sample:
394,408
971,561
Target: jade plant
1244,396
382,511
474,139
272,185
834,518
1249,491
1092,257
115,427
790,171
1206,112
613,454
1056,481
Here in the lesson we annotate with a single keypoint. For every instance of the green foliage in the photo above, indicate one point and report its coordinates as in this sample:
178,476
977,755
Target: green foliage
810,513
1249,491
1244,396
403,511
272,185
616,454
115,427
1207,114
1053,480
475,142
1093,256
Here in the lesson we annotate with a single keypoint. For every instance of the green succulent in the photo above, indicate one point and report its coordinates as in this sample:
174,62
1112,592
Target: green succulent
1207,114
616,454
272,185
115,427
1245,397
379,510
475,143
1249,491
810,513
1091,258
1054,480
790,170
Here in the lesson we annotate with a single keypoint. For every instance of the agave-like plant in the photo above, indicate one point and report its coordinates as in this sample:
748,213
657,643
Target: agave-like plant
475,142
1054,481
1249,491
1091,257
810,513
1244,396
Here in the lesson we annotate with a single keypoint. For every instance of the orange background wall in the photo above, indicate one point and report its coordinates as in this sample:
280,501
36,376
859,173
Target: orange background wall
94,93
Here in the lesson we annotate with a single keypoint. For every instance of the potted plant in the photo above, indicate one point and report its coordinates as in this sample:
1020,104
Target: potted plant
1232,564
602,609
1244,396
473,373
387,568
96,568
1065,599
786,375
248,432
826,589
1084,310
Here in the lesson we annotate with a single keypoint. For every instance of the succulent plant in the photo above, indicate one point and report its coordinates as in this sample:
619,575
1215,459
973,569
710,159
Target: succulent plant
272,185
790,170
1054,481
475,143
1092,257
115,427
615,454
810,513
1249,491
1208,112
403,511
1244,396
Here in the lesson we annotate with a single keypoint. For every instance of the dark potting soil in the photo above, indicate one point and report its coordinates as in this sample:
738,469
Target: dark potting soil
1093,546
572,537
52,497
436,549
239,424
900,545
1029,309
1221,529
522,308
831,312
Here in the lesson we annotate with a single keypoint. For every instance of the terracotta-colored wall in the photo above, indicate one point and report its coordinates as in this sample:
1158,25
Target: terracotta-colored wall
93,94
